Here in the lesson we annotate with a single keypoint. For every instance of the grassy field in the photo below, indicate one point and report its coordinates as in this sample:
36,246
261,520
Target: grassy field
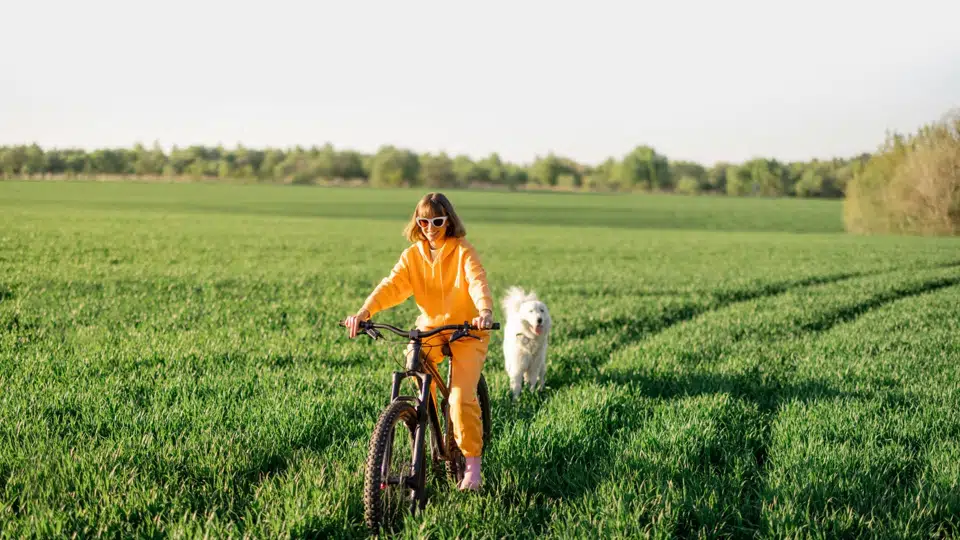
171,366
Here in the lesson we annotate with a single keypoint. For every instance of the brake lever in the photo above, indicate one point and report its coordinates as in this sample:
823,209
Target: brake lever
462,333
373,333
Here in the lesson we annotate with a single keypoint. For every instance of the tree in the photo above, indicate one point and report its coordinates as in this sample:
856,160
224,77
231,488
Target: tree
12,160
688,185
436,171
108,161
34,161
644,168
272,158
912,186
768,177
717,177
323,161
148,162
545,170
739,181
492,169
515,175
348,164
466,171
689,169
810,184
393,167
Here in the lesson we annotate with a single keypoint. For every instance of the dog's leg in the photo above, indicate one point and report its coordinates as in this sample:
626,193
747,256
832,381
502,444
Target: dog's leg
533,371
534,378
516,384
542,366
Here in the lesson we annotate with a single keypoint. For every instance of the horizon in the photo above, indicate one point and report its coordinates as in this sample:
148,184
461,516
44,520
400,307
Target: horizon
733,82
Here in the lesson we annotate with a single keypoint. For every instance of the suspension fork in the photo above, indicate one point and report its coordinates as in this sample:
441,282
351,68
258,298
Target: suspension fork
417,479
428,414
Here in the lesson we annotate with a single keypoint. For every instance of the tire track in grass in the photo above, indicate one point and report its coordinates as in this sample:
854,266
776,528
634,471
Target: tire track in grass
720,300
721,463
545,473
751,386
529,408
758,380
884,456
606,425
830,318
555,452
627,331
851,313
637,331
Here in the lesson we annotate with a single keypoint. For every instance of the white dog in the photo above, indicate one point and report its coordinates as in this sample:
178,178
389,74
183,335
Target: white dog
525,338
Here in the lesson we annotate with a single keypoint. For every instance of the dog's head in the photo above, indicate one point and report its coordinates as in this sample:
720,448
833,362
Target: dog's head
535,316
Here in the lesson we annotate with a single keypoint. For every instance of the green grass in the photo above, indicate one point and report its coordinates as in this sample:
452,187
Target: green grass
171,366
524,208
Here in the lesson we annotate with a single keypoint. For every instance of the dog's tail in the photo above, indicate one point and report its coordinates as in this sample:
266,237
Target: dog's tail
514,297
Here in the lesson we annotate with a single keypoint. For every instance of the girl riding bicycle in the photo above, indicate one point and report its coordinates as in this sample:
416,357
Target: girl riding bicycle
444,274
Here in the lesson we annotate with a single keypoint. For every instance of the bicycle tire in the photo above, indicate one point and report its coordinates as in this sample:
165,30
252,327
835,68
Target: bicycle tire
374,484
457,463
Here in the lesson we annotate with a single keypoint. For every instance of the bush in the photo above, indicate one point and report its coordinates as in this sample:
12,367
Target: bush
688,185
912,186
568,181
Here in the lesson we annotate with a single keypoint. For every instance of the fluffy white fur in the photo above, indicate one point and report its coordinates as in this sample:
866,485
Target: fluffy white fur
525,338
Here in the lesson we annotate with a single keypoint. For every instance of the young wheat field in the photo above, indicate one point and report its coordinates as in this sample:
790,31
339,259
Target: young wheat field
171,365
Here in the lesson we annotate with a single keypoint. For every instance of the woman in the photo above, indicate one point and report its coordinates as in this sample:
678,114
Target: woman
443,273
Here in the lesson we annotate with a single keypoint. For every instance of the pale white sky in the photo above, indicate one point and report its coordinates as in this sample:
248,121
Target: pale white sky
703,80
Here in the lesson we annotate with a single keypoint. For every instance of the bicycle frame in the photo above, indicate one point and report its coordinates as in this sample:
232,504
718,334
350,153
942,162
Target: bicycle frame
425,372
428,416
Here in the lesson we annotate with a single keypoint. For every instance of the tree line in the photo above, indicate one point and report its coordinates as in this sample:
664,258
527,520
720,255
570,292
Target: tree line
642,169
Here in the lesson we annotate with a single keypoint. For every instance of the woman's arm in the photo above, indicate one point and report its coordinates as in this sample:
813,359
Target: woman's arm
477,280
392,290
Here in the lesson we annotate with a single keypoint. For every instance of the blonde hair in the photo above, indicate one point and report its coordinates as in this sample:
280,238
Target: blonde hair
434,205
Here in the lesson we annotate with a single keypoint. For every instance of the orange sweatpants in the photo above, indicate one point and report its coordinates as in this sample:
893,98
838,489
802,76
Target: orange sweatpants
469,355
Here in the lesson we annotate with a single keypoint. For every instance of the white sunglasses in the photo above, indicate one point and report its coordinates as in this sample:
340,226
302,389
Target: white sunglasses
436,221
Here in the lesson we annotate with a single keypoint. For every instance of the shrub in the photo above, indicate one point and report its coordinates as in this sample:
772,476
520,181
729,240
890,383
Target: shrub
912,186
688,185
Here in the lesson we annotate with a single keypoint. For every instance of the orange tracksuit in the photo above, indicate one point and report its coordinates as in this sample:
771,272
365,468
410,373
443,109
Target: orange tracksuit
450,289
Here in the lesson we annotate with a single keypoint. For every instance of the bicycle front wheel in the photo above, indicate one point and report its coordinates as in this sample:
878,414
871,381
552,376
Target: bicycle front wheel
391,486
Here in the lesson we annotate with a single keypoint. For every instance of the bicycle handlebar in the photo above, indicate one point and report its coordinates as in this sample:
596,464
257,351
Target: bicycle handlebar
416,333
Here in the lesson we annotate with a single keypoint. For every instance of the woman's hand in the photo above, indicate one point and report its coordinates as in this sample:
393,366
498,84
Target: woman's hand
485,320
351,322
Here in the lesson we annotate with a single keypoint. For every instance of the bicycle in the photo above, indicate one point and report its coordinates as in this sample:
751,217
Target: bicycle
415,415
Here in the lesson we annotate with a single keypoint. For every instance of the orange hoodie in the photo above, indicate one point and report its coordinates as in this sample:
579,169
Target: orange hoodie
449,290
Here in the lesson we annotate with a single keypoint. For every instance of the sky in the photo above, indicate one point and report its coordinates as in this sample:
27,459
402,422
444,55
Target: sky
706,81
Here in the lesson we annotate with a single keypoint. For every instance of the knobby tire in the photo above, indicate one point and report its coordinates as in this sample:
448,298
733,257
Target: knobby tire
382,440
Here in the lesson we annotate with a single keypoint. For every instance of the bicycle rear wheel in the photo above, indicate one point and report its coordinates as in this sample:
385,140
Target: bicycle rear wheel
457,463
391,486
